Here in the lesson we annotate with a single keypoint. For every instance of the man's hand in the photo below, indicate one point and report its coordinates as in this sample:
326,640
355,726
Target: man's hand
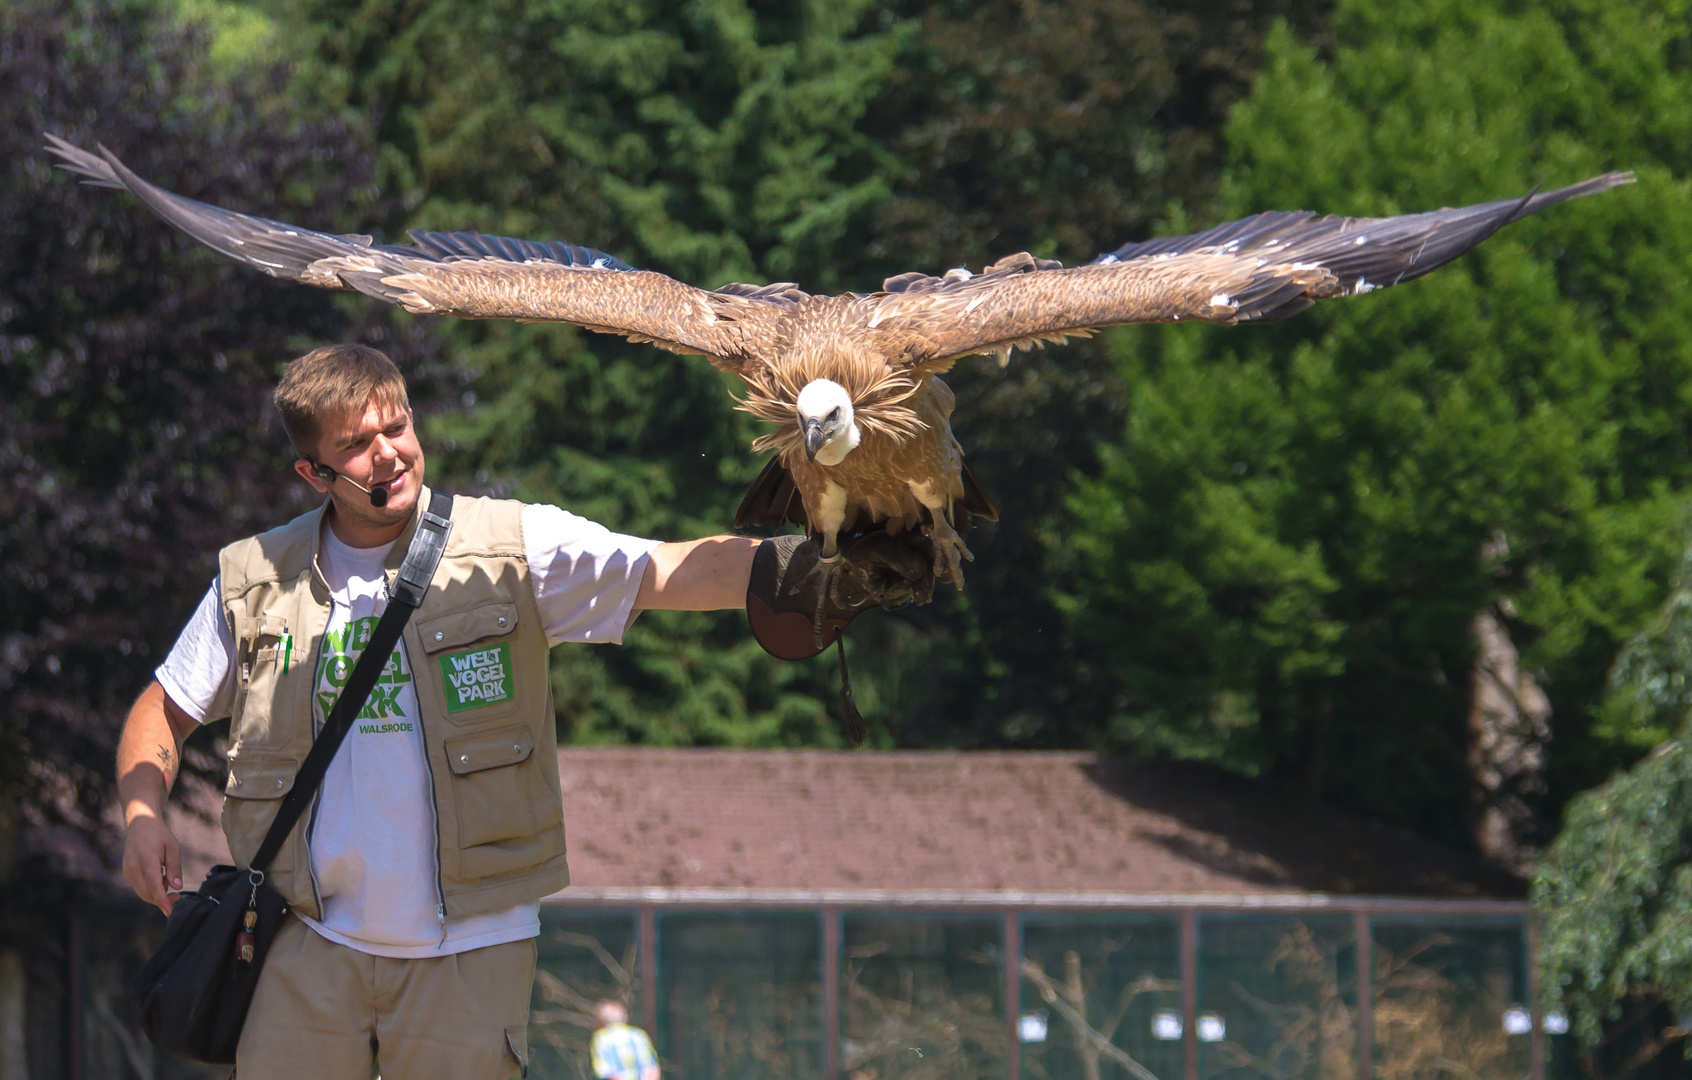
148,760
152,861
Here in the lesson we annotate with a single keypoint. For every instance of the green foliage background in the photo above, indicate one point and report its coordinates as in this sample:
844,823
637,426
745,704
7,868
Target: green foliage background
1262,547
1280,556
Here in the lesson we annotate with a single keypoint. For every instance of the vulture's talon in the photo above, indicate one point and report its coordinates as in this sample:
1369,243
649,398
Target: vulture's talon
950,552
829,567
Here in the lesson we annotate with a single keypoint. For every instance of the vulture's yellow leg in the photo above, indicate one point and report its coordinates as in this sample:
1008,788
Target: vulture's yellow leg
950,553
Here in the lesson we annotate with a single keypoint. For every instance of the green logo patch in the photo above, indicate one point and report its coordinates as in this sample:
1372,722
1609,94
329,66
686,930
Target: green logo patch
475,679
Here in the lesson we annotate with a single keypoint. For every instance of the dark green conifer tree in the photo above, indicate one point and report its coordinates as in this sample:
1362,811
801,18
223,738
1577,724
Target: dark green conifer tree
1281,558
1614,892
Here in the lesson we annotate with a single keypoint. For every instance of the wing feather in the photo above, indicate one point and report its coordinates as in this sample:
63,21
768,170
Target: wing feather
1262,268
472,275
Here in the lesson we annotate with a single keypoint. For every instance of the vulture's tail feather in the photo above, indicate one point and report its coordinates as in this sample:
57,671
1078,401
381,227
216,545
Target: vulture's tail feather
771,500
975,499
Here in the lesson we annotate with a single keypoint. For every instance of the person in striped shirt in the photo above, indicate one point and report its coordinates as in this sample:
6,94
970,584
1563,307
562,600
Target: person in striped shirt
620,1050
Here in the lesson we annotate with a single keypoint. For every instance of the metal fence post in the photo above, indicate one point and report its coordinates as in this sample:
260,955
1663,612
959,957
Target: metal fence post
1013,993
1365,995
1189,991
1536,1037
832,944
76,995
647,943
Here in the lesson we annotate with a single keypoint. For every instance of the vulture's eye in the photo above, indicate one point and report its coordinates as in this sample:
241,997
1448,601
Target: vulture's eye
834,414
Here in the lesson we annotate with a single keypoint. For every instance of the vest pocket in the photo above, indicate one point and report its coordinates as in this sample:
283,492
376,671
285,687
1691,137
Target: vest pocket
262,679
472,651
250,803
489,619
493,784
258,642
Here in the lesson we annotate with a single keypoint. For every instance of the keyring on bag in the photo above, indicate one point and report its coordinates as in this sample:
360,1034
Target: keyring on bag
244,942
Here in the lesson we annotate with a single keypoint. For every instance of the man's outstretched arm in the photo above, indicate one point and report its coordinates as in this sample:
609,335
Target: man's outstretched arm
697,575
149,758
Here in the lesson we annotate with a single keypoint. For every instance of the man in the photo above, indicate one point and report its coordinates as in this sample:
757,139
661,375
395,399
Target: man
416,875
619,1050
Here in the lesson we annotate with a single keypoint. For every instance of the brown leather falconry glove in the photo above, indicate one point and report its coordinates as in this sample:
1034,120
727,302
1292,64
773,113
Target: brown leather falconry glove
799,604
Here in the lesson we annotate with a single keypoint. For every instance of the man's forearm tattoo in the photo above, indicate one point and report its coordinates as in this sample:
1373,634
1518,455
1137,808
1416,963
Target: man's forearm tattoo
168,758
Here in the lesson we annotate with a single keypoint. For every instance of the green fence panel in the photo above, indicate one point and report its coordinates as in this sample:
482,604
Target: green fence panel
1096,988
1277,996
582,959
740,996
922,998
1450,998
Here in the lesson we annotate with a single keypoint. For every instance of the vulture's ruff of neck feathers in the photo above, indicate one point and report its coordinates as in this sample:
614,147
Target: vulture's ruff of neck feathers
880,398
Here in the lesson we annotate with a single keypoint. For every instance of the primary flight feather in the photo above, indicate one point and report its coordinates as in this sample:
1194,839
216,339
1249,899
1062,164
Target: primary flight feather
862,433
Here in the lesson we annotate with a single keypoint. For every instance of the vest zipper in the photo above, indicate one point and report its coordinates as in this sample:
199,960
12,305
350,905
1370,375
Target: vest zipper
434,806
435,814
316,796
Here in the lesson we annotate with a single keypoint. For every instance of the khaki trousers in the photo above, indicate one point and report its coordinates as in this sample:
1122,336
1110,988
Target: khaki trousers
323,1011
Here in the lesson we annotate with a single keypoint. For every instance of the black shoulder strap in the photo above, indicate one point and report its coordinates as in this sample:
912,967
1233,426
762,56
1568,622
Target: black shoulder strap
410,584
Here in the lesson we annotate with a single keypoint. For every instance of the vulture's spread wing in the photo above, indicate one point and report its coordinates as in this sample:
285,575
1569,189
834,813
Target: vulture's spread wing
1264,267
475,276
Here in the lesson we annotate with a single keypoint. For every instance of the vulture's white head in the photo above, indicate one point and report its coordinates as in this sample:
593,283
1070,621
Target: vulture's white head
825,420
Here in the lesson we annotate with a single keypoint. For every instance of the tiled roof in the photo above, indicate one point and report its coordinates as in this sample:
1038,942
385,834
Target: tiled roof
1036,822
937,820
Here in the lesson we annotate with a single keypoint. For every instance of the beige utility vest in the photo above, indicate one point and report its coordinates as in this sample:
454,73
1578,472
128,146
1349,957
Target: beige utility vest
478,655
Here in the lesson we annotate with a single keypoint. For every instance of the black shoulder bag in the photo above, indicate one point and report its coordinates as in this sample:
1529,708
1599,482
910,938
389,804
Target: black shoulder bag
196,989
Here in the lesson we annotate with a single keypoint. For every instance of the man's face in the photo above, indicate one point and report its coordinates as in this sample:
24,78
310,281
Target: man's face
377,448
612,1013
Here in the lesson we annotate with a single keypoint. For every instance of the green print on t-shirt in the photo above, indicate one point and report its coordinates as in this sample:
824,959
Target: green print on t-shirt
341,649
381,729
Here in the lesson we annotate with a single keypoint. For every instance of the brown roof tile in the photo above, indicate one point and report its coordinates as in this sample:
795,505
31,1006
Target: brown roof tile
931,820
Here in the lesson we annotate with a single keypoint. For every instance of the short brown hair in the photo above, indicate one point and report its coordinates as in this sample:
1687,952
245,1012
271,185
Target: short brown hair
327,383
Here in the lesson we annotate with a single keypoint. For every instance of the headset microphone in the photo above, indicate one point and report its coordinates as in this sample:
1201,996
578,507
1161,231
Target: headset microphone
378,496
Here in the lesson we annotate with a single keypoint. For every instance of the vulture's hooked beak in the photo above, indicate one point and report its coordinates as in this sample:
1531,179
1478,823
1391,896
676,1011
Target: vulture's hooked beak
813,437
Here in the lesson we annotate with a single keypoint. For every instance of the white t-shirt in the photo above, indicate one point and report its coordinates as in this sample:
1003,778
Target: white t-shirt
373,836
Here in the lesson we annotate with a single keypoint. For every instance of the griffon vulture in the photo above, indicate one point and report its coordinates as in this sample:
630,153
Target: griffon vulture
851,383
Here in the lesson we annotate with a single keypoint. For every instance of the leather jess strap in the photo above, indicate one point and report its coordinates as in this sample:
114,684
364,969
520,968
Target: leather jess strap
410,585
